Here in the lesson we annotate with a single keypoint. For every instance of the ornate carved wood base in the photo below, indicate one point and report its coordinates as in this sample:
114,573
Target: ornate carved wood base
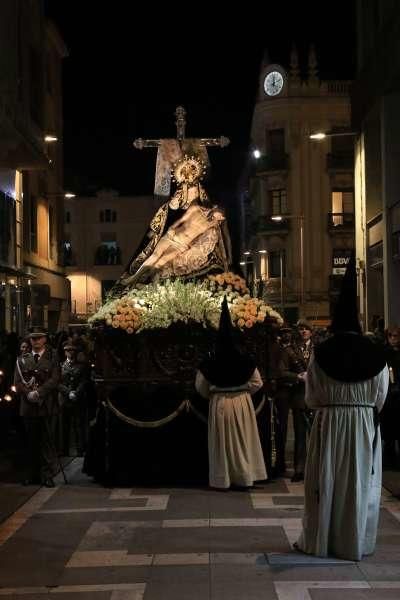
152,425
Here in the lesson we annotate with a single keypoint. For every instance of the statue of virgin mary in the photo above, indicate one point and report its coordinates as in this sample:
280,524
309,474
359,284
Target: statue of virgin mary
188,236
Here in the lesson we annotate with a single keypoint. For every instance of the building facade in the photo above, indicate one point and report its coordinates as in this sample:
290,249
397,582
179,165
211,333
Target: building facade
375,110
33,288
101,234
299,257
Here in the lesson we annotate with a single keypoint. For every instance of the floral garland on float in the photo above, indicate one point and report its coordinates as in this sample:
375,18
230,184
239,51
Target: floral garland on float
159,305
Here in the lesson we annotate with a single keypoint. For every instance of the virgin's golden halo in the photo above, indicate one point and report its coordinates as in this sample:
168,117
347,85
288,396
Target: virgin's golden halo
189,169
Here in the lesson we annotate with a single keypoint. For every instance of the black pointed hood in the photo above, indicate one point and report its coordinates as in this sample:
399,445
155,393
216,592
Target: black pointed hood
228,367
225,330
345,316
349,356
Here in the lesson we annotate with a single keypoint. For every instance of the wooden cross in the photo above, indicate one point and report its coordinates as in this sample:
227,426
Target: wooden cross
180,122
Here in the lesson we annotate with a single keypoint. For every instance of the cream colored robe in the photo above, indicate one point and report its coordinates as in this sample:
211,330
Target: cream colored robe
234,447
343,475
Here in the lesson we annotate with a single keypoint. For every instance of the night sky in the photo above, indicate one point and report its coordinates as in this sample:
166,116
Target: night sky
126,73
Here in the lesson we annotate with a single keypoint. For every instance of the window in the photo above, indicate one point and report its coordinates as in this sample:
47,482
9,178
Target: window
277,202
342,207
342,145
275,145
7,228
275,268
33,242
51,232
67,216
35,88
396,245
375,256
108,216
42,186
108,252
49,73
26,209
106,286
67,254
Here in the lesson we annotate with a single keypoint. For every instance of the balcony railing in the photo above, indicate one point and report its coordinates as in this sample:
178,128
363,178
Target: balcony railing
340,162
340,222
337,88
396,245
264,224
105,255
267,163
375,256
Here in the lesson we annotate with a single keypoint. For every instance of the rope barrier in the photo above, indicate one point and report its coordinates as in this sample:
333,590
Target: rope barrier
160,422
148,424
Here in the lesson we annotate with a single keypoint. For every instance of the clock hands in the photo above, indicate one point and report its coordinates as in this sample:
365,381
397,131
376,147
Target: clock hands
273,83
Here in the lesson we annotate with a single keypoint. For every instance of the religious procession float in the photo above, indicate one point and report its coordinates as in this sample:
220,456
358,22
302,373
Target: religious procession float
160,321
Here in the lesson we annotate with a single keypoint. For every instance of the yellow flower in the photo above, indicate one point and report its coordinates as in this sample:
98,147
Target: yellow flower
240,322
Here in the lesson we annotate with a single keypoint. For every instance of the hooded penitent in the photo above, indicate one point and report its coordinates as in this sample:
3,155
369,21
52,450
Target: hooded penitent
348,355
228,367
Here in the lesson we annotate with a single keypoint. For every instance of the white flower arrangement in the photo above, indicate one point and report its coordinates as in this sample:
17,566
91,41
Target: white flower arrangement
158,305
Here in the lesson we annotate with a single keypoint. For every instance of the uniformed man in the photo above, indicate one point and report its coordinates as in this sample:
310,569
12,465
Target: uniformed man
281,395
293,367
72,397
36,378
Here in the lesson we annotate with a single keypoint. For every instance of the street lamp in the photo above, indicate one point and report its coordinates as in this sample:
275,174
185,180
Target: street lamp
321,135
66,195
300,218
256,153
50,138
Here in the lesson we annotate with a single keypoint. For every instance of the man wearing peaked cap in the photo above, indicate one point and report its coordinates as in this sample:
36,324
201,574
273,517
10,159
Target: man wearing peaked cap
72,397
37,332
36,379
303,324
293,364
346,385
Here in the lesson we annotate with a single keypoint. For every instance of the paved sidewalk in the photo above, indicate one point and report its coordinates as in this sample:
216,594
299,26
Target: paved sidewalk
88,542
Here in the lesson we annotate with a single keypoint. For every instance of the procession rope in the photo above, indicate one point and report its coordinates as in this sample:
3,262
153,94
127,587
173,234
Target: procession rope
260,406
160,422
147,424
197,413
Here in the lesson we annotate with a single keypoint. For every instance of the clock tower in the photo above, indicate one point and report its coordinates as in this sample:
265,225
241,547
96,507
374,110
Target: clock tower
308,182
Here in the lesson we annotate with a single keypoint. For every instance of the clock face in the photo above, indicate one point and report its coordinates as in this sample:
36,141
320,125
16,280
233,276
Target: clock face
273,83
